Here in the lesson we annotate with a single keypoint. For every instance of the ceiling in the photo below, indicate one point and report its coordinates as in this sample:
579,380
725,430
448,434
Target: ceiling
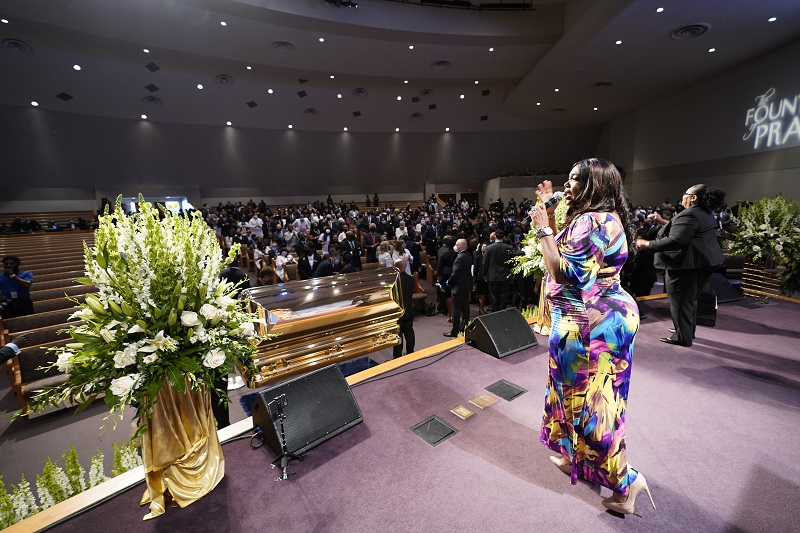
556,64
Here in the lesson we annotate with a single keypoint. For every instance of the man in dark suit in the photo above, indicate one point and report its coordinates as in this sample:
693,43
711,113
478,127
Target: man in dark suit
307,260
234,274
460,283
371,239
329,266
12,348
351,244
497,271
406,321
688,249
444,267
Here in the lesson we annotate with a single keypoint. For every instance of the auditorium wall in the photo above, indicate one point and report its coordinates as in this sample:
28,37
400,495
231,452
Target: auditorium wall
48,149
703,134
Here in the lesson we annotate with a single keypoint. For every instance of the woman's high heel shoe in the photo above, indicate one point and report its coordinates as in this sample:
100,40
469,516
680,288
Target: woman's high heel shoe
562,464
627,507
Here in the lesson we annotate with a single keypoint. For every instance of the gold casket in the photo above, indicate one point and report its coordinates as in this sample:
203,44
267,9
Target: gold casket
316,322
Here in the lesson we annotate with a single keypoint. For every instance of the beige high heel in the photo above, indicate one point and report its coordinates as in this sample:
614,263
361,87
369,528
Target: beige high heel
561,463
627,507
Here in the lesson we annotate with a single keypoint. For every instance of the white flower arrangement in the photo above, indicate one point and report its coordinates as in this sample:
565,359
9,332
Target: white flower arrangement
161,314
531,262
769,229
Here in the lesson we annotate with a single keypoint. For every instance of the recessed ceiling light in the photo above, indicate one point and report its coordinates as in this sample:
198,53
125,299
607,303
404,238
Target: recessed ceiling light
146,50
270,91
229,123
4,21
447,129
595,109
397,129
462,96
399,98
476,82
290,126
558,90
200,86
712,50
322,39
772,19
405,81
76,67
411,47
249,67
339,95
345,128
538,103
144,117
333,77
35,103
618,42
660,10
223,23
491,48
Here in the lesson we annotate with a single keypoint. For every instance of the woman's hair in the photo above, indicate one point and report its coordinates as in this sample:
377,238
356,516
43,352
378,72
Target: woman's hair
601,190
709,198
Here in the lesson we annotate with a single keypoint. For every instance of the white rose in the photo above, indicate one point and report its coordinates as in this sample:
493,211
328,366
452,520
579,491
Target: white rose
778,247
248,330
756,248
124,358
189,319
214,358
64,364
121,387
210,312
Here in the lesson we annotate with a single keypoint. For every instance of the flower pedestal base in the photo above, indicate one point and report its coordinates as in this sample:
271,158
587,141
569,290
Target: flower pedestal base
761,280
180,450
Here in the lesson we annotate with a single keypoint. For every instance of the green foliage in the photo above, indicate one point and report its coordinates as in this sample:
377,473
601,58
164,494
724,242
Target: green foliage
161,313
75,472
6,507
769,230
126,457
531,261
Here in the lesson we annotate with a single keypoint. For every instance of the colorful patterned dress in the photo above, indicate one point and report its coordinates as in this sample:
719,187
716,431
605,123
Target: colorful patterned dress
591,348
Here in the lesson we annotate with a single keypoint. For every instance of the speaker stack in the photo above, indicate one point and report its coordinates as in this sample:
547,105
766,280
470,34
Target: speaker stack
501,333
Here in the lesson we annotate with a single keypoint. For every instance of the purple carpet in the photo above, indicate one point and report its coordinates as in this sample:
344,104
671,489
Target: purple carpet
713,427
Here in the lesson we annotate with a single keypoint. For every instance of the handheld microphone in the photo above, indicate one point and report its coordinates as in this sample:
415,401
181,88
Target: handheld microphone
557,197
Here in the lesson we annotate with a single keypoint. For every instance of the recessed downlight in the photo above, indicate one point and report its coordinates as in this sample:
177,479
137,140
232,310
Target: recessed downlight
447,129
345,128
557,90
410,46
333,77
660,10
4,21
405,81
322,39
249,67
223,23
461,97
338,95
76,67
34,103
290,126
594,109
229,123
491,48
270,91
618,42
200,86
712,50
144,117
476,82
146,50
772,19
538,103
399,98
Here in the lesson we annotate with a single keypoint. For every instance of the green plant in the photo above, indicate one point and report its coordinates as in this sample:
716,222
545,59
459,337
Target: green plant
769,229
161,313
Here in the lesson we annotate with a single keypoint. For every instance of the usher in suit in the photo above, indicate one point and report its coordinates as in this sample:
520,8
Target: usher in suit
460,283
688,250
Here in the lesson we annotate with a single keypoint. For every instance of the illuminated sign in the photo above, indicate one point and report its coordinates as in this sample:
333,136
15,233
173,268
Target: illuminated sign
773,123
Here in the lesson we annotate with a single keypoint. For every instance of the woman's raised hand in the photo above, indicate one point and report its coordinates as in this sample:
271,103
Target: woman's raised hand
544,191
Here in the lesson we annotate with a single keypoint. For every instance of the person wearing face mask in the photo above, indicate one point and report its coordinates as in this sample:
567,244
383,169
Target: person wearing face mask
594,323
688,250
352,245
325,239
329,266
280,261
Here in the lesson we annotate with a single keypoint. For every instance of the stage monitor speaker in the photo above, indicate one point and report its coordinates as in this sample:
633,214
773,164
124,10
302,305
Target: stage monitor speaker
318,407
723,289
501,333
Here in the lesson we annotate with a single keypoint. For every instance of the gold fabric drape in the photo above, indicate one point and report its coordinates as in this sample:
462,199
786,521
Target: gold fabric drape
180,450
543,322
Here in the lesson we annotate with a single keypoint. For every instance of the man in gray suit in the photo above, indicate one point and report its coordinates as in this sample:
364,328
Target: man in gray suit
688,249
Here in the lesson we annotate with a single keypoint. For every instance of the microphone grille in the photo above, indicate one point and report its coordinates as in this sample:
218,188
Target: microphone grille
558,195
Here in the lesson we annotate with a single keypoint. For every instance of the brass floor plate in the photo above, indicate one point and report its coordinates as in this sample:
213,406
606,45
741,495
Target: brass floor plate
483,401
462,412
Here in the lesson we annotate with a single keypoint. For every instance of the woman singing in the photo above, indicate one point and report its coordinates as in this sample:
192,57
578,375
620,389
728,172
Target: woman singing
594,322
